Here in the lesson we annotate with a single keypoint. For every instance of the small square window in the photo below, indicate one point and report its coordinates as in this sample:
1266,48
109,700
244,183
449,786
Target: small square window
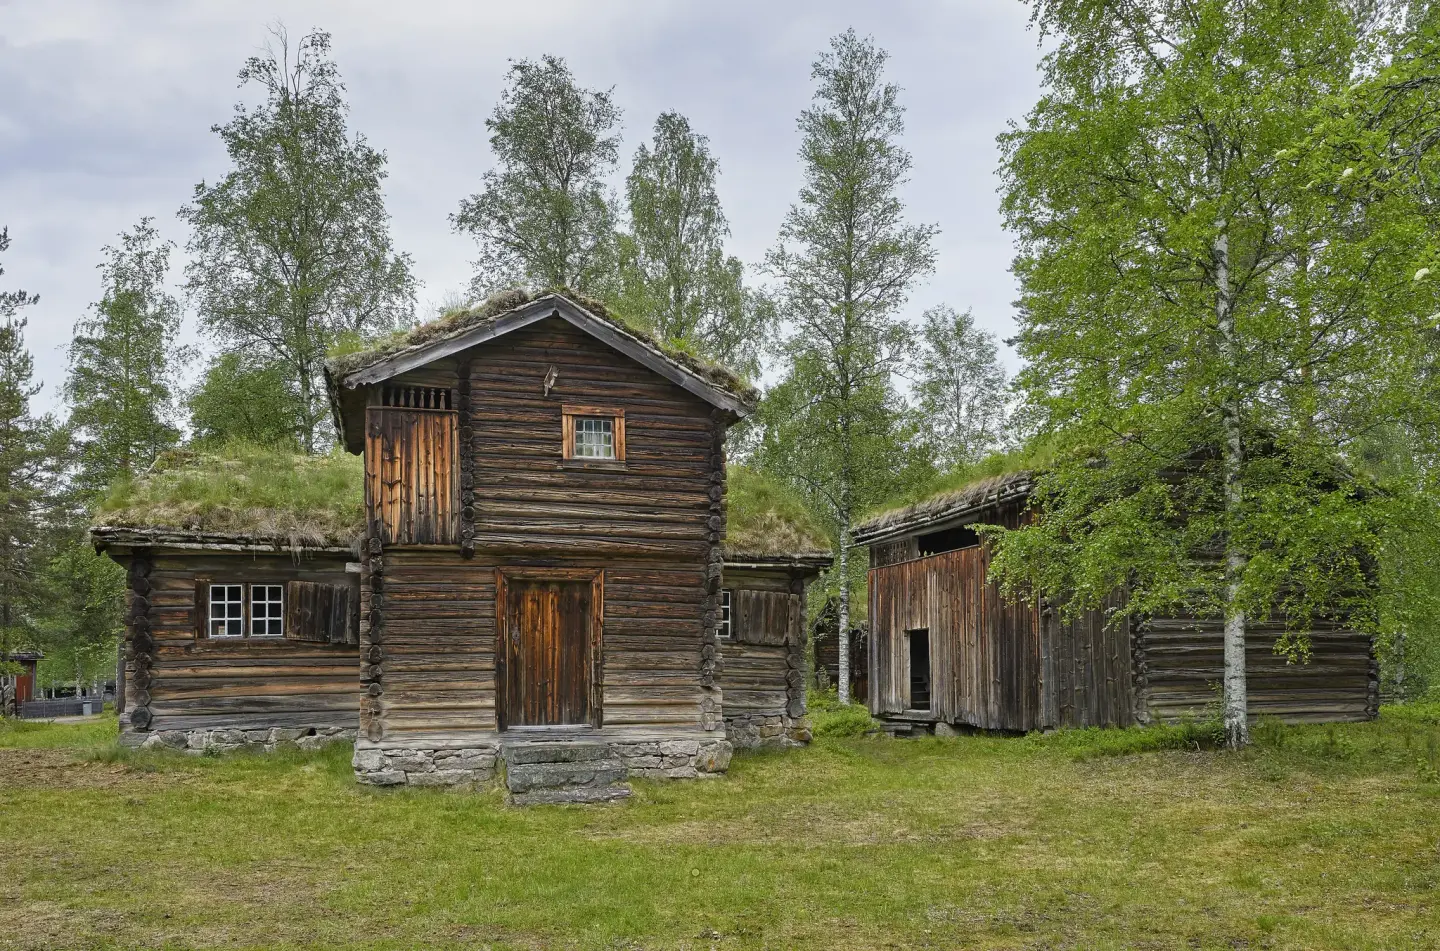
594,437
267,610
227,610
724,628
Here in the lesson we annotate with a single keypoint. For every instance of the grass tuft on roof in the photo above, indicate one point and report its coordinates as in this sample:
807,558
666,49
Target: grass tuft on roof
960,486
767,519
348,359
244,490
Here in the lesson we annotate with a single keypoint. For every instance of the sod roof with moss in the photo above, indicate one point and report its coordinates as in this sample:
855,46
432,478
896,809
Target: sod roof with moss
458,321
955,493
244,492
293,501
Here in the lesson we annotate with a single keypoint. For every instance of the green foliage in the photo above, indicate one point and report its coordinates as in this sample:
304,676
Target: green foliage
543,217
1211,311
242,399
122,362
245,489
291,249
833,719
26,471
763,516
675,277
1095,742
81,617
960,388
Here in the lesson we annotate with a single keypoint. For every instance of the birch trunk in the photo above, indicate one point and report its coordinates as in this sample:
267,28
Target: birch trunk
843,635
1236,702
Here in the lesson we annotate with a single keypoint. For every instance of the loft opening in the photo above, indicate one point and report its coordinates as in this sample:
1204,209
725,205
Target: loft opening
949,539
919,645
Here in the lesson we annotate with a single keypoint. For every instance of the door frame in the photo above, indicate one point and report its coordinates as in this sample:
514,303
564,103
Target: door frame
596,577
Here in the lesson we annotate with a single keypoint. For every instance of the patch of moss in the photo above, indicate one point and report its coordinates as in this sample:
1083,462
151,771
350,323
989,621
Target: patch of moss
766,518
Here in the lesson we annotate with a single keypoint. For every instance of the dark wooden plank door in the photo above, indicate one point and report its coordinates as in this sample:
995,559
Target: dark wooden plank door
547,664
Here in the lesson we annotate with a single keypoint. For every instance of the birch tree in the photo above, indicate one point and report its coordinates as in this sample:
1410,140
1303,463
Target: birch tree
676,278
959,386
291,248
120,384
543,215
845,262
1206,315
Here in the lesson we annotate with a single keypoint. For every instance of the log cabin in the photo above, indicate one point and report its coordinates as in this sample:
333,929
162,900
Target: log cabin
18,685
534,564
948,648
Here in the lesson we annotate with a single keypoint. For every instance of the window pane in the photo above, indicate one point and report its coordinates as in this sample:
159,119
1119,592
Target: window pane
227,610
267,610
594,437
725,613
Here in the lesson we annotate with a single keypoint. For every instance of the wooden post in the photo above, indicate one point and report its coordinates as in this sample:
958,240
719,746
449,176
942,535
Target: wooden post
712,716
140,637
372,635
467,463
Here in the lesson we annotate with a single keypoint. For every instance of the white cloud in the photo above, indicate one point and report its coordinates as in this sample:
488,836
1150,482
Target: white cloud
107,110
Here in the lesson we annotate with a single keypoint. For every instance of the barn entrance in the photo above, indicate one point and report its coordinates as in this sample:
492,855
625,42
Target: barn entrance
549,628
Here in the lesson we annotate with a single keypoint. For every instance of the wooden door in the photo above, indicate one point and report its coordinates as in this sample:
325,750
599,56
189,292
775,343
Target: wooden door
549,635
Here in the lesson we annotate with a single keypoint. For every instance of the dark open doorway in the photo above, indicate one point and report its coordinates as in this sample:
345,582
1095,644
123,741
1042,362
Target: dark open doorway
919,669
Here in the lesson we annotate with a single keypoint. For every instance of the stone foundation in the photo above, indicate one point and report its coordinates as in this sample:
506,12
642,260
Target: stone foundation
651,759
226,741
674,759
425,767
751,732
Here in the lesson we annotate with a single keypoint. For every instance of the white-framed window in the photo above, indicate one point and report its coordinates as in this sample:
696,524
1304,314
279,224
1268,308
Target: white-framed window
267,610
227,610
724,629
594,437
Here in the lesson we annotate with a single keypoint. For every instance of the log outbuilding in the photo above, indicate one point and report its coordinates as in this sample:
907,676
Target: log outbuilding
535,568
947,647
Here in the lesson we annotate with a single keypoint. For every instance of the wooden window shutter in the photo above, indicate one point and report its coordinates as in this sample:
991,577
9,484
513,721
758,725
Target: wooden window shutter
342,613
763,617
202,607
305,619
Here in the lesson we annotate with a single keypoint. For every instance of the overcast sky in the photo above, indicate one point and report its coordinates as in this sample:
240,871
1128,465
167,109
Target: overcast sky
106,109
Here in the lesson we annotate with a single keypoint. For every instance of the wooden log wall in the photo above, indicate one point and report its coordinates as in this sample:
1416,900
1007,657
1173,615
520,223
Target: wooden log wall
654,523
764,671
140,638
984,648
1087,675
178,680
1180,664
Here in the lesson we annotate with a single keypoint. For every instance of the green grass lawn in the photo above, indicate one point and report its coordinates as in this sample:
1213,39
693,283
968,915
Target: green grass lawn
1318,838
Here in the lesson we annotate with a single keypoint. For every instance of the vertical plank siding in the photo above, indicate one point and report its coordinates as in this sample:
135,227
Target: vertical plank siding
984,649
412,475
190,682
1087,679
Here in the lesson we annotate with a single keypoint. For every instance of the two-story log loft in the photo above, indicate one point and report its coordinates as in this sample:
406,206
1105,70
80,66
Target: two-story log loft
541,569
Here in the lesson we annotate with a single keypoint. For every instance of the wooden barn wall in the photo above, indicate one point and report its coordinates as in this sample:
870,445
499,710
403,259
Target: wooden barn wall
754,675
439,644
984,648
1179,664
201,683
1086,673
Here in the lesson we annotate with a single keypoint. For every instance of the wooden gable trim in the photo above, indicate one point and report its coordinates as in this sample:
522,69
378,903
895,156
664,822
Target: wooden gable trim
533,312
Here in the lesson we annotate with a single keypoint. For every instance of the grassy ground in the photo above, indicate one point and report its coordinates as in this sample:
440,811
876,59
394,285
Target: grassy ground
1318,838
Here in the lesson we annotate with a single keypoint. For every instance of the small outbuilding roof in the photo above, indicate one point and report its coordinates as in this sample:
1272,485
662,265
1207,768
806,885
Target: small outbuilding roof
944,508
509,311
245,497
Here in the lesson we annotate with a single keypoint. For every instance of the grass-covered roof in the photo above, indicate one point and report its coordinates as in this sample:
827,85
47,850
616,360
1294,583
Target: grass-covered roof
460,320
766,520
955,491
244,491
295,501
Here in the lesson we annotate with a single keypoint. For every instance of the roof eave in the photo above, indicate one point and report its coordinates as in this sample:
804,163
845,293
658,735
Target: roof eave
537,310
934,521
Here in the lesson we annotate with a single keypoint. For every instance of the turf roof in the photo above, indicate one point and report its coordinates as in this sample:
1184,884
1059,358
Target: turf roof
296,502
455,322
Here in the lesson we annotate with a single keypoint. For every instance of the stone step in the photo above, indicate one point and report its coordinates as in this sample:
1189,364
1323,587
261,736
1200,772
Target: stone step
571,795
524,777
539,751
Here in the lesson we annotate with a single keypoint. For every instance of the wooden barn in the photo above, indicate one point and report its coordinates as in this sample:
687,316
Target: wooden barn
530,563
947,648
